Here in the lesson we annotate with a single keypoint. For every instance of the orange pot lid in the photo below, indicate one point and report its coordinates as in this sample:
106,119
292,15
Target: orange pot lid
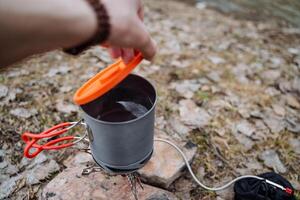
105,80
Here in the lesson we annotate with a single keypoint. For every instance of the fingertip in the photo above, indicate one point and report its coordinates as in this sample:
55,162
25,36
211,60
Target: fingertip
115,52
150,50
127,55
125,59
154,47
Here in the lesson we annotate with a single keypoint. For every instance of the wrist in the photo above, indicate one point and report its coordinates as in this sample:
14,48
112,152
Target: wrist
101,28
80,24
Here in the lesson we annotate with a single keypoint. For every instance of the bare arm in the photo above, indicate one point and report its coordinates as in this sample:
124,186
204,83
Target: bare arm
35,26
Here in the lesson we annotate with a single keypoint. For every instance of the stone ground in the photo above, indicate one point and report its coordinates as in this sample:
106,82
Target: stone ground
231,87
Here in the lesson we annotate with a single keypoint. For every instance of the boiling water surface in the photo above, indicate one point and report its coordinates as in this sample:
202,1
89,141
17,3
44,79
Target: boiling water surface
123,104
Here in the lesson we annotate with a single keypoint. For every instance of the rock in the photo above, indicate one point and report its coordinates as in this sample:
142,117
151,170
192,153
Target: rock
245,141
25,162
232,98
253,165
272,91
11,185
257,114
216,60
295,85
3,162
261,130
193,115
6,167
3,91
274,122
41,172
293,125
186,88
65,89
159,196
79,159
146,71
224,44
276,62
3,177
271,159
227,194
295,144
290,86
292,101
221,132
218,105
87,75
12,94
178,127
99,53
60,70
11,169
244,112
183,187
172,45
242,131
176,63
17,73
215,89
70,184
166,163
214,76
244,127
201,5
160,122
294,51
67,108
284,86
23,113
240,73
297,62
278,109
39,159
295,184
270,75
3,165
205,88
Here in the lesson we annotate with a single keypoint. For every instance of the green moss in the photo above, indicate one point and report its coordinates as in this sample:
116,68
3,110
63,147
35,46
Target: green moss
201,95
199,193
1,79
297,195
227,75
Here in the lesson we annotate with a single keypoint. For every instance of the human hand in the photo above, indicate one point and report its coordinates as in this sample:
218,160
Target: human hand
128,33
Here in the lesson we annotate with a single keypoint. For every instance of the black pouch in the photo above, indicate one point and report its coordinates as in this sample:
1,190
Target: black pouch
254,189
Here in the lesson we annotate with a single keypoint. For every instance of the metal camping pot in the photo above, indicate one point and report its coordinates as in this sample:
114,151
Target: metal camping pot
122,145
118,145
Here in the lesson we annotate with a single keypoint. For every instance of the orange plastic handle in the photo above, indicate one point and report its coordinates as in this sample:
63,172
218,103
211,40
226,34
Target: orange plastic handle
31,139
105,80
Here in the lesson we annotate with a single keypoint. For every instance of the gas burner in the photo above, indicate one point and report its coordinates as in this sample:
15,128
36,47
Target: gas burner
132,175
124,170
111,170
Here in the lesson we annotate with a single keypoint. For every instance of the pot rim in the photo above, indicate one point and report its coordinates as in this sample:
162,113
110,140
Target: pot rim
130,121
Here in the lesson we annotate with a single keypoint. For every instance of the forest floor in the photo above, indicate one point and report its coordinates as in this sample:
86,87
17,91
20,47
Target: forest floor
230,86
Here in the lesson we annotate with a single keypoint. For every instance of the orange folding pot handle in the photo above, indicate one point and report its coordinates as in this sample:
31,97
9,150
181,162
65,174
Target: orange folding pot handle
32,147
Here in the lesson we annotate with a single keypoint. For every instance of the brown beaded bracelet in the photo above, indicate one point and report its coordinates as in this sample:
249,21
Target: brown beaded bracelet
102,32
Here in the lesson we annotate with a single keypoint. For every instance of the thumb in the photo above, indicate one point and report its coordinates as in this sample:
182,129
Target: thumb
144,43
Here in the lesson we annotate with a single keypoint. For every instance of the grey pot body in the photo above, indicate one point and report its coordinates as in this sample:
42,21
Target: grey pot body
122,145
